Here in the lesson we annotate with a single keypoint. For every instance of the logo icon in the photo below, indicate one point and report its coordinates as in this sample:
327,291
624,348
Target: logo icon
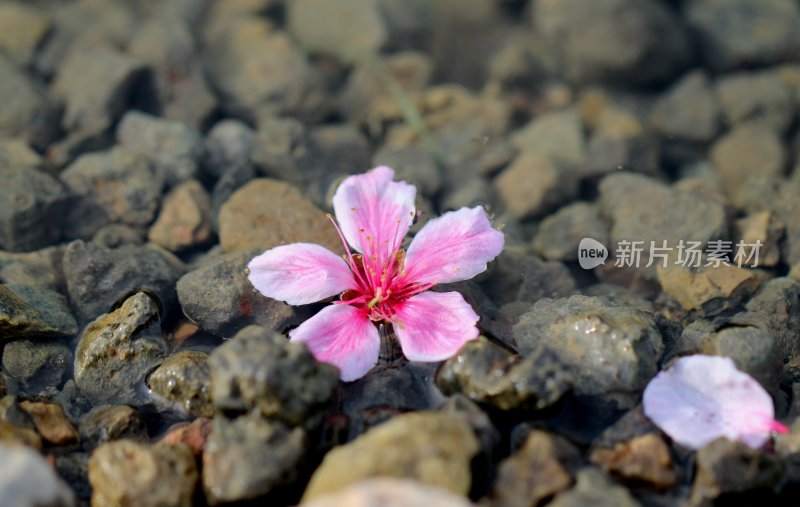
591,253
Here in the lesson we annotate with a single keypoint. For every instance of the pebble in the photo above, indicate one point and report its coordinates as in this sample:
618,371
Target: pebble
37,365
107,423
560,233
266,213
710,290
606,348
593,488
752,347
263,371
184,378
762,227
125,472
558,134
23,29
281,149
644,459
388,492
31,116
688,111
758,97
534,183
228,143
19,318
174,148
743,148
30,481
543,467
778,302
185,218
620,142
218,297
249,456
431,447
194,434
51,422
118,349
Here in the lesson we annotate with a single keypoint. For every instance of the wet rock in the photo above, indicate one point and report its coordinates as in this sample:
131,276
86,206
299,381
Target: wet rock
557,134
111,422
115,186
95,85
31,116
266,213
431,447
489,374
688,111
118,349
30,481
620,142
184,378
731,33
594,488
390,493
20,319
248,457
23,27
263,371
219,299
745,147
711,289
413,165
644,459
732,468
606,348
762,228
282,149
534,183
643,209
591,44
320,28
173,147
228,143
540,469
98,277
185,218
123,472
51,422
560,234
761,97
37,365
33,203
194,434
259,70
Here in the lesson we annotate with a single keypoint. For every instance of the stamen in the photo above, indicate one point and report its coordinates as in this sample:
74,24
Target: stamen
352,263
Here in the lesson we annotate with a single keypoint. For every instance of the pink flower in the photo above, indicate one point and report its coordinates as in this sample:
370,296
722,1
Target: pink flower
381,283
701,398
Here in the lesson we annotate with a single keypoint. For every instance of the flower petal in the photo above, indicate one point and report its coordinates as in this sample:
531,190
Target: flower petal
343,336
371,205
456,246
300,273
433,326
700,398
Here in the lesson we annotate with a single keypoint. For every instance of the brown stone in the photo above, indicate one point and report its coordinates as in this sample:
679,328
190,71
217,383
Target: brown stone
643,459
194,435
185,218
51,422
709,289
764,227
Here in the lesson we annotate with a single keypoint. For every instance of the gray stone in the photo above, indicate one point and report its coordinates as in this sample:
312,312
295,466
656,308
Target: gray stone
760,97
413,165
115,186
744,148
117,235
174,148
41,268
112,422
263,371
620,142
281,149
116,352
558,134
23,28
39,366
560,234
184,379
155,476
19,318
607,348
688,111
594,488
30,115
51,304
98,277
518,276
95,85
32,207
754,350
219,299
234,178
778,303
732,35
229,143
489,374
30,481
590,43
250,456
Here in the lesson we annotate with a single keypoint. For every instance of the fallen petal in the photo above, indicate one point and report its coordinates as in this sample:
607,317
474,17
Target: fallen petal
300,273
455,246
433,326
373,211
343,336
700,398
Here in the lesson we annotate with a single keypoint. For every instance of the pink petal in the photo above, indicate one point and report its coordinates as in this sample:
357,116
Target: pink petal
374,210
300,273
456,246
433,326
701,398
343,336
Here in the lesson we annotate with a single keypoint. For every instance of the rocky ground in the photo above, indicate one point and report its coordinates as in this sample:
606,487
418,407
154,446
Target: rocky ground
149,149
